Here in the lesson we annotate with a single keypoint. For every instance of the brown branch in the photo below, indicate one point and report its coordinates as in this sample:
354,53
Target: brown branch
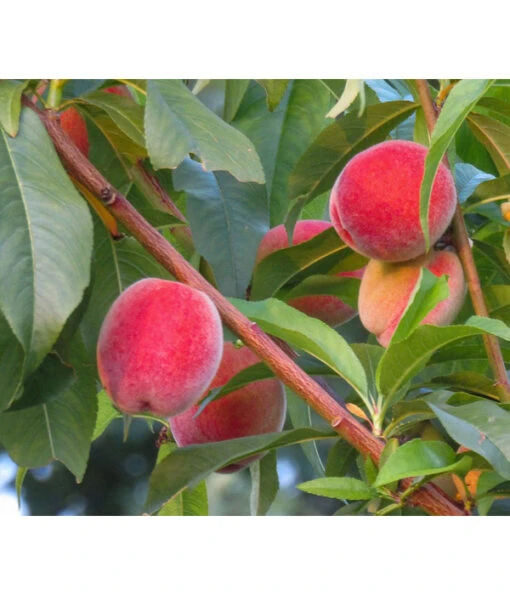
462,243
430,498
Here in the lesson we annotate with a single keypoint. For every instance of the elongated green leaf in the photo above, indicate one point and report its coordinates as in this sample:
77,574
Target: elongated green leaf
12,360
468,381
282,136
264,484
420,457
188,466
10,105
228,219
275,90
495,256
46,239
310,335
351,91
489,191
506,245
319,166
461,100
106,413
405,359
60,429
301,417
427,293
125,112
187,503
177,124
234,93
482,427
20,478
493,135
340,456
343,488
280,267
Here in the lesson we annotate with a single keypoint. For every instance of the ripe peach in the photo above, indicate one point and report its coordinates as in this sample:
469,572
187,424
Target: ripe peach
386,287
121,90
328,308
74,126
374,203
257,408
159,347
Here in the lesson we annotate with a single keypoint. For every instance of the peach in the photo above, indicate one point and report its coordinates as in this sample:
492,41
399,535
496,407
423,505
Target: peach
375,201
328,308
257,408
74,126
386,288
121,90
159,347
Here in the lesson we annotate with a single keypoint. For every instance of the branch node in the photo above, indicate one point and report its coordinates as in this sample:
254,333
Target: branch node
108,196
337,421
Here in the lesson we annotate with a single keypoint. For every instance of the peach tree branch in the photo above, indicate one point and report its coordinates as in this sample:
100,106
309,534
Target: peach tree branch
429,497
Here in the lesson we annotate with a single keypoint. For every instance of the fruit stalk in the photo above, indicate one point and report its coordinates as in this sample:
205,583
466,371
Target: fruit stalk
429,498
463,246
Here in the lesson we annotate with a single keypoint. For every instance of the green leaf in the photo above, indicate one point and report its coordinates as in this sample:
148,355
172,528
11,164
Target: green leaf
187,503
275,90
468,381
320,165
59,429
20,478
52,378
106,413
280,267
282,136
12,359
234,93
310,335
188,466
417,458
340,456
489,191
493,135
342,488
506,244
46,239
461,100
405,359
125,112
300,416
495,256
264,484
227,219
482,427
10,105
427,293
177,124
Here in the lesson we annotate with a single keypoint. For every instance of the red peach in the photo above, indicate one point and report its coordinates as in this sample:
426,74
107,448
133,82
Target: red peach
257,408
374,203
328,308
74,126
386,288
159,347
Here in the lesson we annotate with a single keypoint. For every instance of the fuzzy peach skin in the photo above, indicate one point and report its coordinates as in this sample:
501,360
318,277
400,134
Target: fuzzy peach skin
386,287
257,408
159,347
74,126
375,201
328,308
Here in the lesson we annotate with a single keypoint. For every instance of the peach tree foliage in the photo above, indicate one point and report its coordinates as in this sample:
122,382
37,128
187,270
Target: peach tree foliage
212,166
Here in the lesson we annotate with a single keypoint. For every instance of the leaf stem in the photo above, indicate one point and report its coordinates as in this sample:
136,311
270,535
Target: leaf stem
354,432
463,246
55,93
